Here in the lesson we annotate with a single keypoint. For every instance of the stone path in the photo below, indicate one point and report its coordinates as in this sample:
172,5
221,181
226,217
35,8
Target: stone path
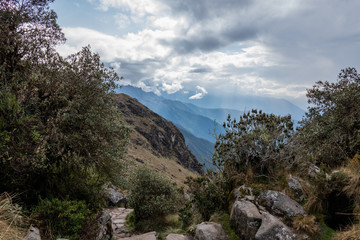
119,231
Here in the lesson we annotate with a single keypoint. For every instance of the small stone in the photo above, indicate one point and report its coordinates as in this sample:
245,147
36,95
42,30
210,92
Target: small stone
33,233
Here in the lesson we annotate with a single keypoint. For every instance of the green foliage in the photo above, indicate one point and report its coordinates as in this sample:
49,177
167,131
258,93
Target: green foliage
224,220
327,233
63,218
253,145
130,222
209,193
151,195
60,128
186,215
330,134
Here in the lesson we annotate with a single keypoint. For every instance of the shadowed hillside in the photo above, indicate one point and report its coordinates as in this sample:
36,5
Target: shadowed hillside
156,141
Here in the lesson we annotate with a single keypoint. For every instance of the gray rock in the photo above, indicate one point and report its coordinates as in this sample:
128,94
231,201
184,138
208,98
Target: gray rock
33,233
296,187
145,236
245,219
210,231
173,236
273,229
280,204
114,197
313,170
243,192
104,223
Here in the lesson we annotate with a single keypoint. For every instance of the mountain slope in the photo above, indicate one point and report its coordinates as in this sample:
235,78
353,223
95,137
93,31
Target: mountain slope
198,121
156,141
201,148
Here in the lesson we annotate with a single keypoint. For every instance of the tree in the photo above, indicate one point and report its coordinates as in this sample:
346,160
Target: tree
254,143
28,31
330,133
60,130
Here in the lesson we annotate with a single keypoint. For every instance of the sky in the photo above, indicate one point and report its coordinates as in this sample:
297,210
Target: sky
271,48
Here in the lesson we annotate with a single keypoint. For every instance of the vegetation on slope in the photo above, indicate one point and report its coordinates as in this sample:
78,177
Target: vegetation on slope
62,137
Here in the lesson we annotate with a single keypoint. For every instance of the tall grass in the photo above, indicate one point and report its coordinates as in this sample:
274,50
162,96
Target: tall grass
11,221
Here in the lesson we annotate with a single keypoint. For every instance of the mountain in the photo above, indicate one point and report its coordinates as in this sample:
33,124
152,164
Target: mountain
201,148
198,121
241,103
157,142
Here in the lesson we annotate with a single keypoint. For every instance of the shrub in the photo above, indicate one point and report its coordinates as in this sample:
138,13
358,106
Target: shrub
151,195
63,218
254,145
210,193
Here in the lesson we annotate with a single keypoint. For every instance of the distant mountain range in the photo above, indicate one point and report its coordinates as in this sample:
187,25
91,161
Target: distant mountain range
198,122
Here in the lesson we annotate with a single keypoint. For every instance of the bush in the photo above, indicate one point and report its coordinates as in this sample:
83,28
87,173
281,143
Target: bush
255,145
151,195
210,193
63,218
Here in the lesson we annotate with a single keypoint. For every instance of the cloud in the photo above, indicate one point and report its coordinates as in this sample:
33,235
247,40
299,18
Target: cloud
199,95
276,48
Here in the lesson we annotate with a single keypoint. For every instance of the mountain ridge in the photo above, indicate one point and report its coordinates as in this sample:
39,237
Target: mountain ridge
156,141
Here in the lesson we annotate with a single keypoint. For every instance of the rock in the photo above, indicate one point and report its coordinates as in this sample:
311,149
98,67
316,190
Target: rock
243,192
104,223
210,231
173,236
273,229
114,197
280,204
313,170
245,219
296,187
145,236
118,219
33,233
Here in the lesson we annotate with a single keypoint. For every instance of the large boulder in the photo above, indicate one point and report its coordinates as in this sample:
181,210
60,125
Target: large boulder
273,229
114,197
245,219
173,236
33,233
210,231
280,204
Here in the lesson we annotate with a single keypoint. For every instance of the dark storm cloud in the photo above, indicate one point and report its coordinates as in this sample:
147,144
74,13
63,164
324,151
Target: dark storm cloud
201,70
212,24
137,70
201,10
204,43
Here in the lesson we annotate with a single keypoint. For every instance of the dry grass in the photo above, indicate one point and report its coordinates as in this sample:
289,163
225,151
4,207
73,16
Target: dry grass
11,221
352,233
165,166
352,190
306,224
